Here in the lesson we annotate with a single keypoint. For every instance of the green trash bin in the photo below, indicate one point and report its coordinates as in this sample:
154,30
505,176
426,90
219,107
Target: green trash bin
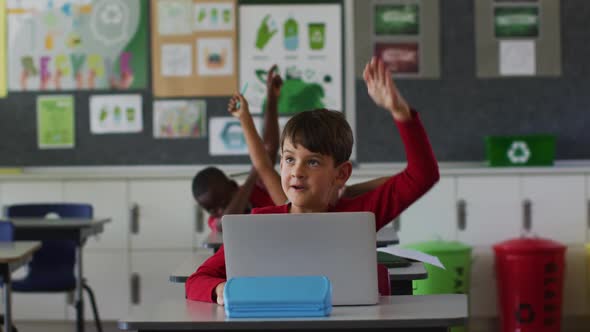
456,257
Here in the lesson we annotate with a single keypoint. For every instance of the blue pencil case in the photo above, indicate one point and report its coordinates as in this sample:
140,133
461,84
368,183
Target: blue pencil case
289,296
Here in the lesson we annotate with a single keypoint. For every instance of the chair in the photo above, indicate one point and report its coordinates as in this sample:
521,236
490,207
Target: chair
6,235
52,266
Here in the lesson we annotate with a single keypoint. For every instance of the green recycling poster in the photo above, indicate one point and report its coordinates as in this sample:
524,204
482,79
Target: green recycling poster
521,21
55,122
305,42
396,19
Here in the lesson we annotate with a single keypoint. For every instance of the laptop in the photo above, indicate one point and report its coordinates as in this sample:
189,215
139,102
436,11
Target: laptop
340,246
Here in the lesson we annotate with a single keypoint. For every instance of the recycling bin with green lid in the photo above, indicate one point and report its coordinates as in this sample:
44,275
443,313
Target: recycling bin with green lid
455,279
527,150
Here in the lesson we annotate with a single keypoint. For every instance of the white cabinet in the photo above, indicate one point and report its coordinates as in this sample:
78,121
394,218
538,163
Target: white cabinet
109,199
150,275
107,274
31,192
432,217
165,214
492,209
557,206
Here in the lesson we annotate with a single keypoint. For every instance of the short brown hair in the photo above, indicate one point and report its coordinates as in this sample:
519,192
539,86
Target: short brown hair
321,131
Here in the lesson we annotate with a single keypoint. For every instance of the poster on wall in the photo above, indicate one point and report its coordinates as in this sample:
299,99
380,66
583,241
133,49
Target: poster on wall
396,19
305,42
55,122
399,57
516,22
115,114
194,48
226,136
3,68
67,45
180,118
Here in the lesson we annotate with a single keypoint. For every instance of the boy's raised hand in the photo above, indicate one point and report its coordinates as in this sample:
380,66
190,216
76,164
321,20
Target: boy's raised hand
383,91
274,82
236,112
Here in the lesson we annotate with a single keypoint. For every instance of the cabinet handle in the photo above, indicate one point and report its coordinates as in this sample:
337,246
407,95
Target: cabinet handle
199,219
397,224
135,288
135,218
462,214
527,220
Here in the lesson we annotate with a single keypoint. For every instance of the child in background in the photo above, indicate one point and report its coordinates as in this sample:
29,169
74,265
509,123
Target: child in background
315,151
218,194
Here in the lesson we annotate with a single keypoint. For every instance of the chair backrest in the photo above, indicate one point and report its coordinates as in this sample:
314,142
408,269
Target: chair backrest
53,264
6,231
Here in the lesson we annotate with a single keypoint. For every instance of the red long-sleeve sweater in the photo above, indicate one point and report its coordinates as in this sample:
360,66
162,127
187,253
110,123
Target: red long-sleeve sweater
386,202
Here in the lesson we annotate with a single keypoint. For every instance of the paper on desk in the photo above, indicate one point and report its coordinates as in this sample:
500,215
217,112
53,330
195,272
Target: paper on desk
413,254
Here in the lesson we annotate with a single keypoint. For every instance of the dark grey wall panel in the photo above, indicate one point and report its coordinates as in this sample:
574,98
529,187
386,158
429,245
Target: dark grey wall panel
459,110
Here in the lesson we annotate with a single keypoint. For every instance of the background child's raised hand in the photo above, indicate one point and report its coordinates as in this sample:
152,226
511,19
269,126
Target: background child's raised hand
240,111
274,82
383,91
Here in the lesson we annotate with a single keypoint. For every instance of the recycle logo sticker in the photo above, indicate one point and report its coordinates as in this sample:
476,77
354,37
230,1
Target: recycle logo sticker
519,152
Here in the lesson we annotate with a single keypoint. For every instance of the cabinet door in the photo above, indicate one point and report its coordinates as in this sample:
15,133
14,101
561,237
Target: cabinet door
557,206
432,217
150,275
109,199
492,209
34,305
165,215
107,274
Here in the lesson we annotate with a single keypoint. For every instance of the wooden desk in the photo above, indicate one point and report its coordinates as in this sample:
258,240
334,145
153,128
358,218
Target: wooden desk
394,313
400,277
72,229
12,256
385,236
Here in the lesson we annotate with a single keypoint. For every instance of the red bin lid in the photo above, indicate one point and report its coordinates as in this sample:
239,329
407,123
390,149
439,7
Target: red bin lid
529,246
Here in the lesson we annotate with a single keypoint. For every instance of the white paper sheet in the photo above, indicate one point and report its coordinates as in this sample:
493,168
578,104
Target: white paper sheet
175,17
176,60
413,254
517,58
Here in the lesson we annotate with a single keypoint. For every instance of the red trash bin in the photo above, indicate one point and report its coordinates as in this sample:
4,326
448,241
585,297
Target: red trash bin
530,274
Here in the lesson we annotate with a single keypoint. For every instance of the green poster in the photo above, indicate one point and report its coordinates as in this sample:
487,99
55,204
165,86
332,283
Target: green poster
55,122
397,19
516,22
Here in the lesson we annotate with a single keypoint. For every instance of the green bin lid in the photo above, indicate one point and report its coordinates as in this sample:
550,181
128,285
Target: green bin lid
439,247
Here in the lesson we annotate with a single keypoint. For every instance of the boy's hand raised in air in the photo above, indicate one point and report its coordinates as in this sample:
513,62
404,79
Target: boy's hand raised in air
243,110
383,91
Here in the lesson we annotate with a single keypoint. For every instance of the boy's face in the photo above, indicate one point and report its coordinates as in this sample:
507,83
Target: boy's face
216,199
310,179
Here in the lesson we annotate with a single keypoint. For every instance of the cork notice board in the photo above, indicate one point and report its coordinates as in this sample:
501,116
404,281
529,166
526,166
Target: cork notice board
194,48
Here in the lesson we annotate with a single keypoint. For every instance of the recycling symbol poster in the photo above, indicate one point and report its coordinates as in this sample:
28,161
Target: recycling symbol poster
74,45
305,42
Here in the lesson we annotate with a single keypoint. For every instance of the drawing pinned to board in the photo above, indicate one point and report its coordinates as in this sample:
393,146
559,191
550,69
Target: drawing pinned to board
177,60
397,19
55,122
516,22
226,136
214,16
175,17
92,44
399,57
215,56
180,118
111,114
307,52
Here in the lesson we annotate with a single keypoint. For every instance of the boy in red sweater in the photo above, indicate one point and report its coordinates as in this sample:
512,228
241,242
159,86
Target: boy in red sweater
315,152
